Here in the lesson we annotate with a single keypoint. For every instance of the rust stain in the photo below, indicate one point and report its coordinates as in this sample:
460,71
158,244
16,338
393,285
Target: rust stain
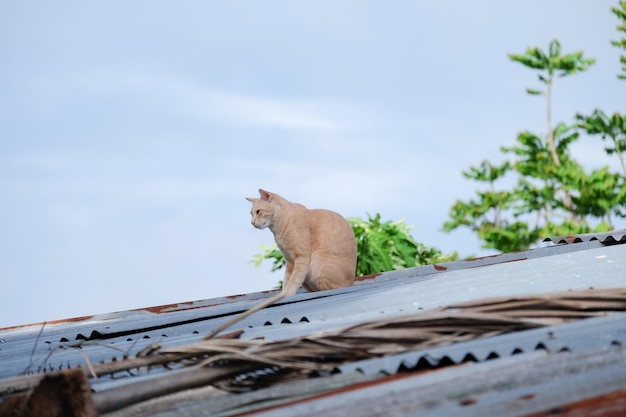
439,267
367,277
500,262
572,239
480,258
612,404
158,309
190,305
71,320
468,401
49,322
172,308
232,297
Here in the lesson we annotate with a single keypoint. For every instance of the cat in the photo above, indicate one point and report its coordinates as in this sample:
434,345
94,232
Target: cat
318,245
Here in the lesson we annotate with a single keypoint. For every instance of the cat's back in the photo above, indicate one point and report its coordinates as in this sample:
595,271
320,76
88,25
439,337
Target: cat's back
329,227
324,228
327,218
316,219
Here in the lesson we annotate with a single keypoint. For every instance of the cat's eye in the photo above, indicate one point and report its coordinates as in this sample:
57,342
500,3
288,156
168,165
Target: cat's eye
258,211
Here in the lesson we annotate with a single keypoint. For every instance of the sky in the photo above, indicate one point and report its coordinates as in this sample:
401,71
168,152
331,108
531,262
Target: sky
132,131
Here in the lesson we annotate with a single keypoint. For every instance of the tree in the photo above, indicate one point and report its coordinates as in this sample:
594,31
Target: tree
381,246
489,215
552,64
553,194
612,127
620,12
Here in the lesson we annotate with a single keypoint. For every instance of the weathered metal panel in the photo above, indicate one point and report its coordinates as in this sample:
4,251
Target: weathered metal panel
598,261
607,238
105,337
589,334
602,267
514,386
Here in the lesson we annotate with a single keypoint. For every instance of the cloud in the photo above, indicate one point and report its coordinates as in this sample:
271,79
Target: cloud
268,112
189,98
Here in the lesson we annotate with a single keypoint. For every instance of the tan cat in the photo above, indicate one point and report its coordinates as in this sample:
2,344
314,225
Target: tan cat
318,245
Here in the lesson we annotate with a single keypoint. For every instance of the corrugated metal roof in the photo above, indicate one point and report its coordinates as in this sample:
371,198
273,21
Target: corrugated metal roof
607,238
599,333
129,333
524,372
598,261
513,386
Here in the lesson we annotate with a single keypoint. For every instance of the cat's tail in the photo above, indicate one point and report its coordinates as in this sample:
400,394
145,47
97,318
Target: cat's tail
245,314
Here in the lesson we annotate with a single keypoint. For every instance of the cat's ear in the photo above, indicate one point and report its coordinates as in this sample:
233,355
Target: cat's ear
266,196
252,200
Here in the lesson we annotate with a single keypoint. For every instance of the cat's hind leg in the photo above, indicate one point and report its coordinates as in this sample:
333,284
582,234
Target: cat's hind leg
330,274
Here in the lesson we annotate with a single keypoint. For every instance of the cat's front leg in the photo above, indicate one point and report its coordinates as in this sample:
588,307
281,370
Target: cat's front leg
294,280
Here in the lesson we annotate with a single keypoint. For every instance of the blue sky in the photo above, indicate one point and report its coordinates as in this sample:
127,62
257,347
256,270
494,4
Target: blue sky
130,132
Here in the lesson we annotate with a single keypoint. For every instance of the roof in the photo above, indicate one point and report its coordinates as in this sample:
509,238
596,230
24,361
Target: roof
510,334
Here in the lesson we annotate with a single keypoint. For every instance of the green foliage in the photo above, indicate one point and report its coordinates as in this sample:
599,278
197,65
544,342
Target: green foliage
489,215
612,127
545,200
602,194
269,252
386,246
553,62
551,193
620,12
381,246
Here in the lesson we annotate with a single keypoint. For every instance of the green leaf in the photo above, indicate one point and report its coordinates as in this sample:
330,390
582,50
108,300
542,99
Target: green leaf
552,62
534,92
555,49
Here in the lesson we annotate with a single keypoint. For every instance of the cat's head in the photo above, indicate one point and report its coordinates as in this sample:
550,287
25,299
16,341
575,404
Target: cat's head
262,210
